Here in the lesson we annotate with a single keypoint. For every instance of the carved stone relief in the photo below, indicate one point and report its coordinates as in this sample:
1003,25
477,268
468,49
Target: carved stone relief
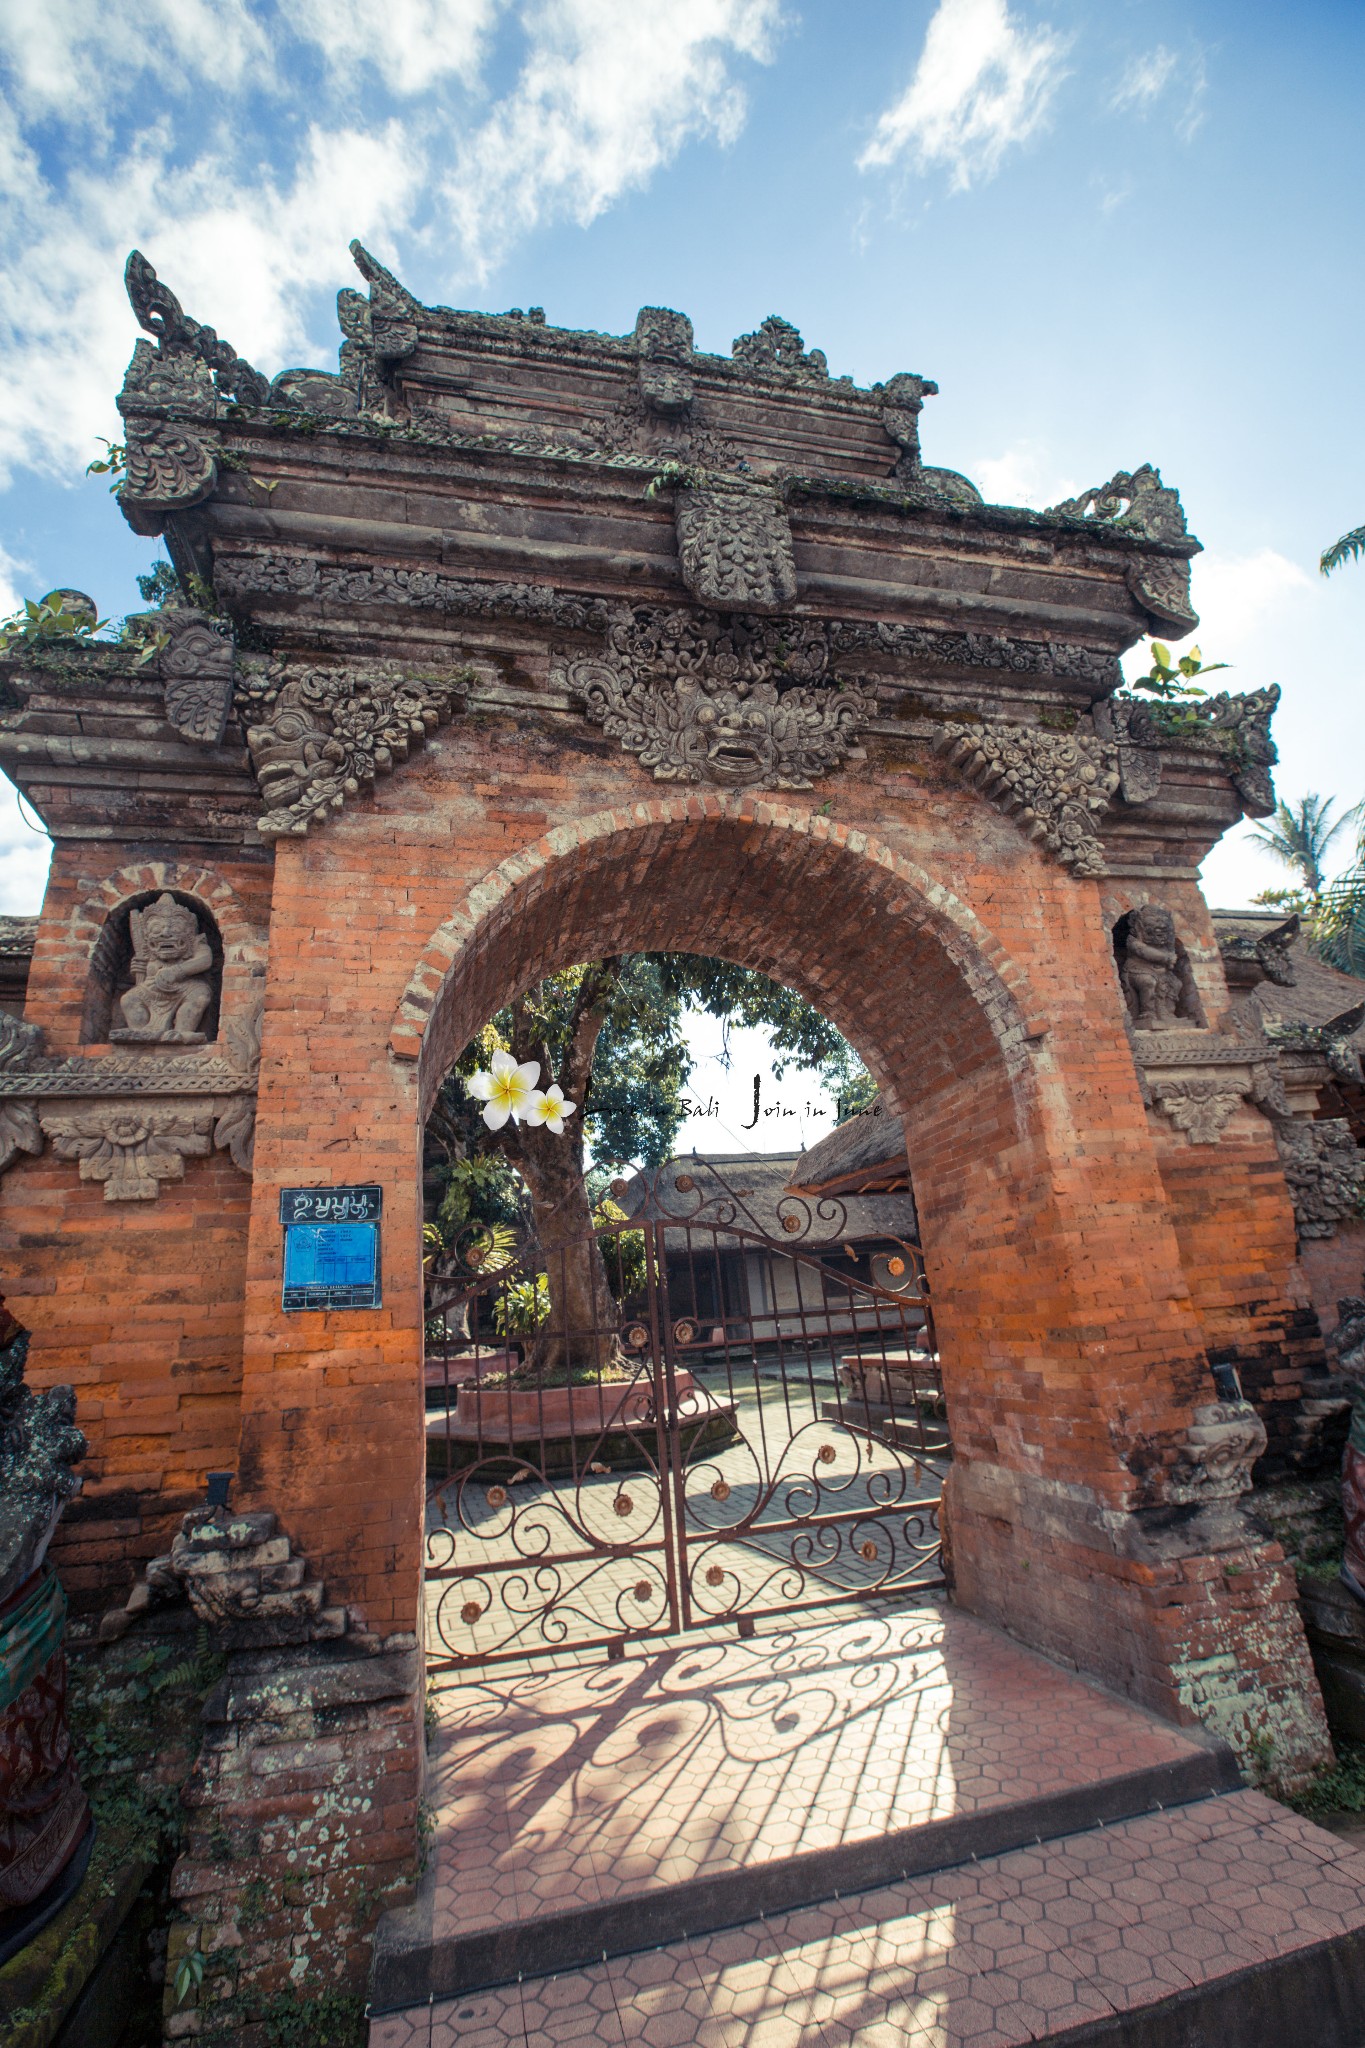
245,579
196,667
698,702
172,970
1214,1455
1200,1105
131,1149
1154,970
319,735
1234,728
1324,1170
735,544
664,339
1136,501
131,1118
1055,786
776,349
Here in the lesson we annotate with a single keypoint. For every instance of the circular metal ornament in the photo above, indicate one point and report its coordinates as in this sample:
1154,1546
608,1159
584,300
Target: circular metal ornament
470,1613
684,1183
619,1190
684,1332
867,1550
721,1490
643,1591
895,1267
714,1575
636,1336
623,1504
475,1256
826,1454
497,1496
791,1224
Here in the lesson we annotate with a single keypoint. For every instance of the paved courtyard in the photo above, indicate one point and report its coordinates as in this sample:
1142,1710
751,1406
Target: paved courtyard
877,1826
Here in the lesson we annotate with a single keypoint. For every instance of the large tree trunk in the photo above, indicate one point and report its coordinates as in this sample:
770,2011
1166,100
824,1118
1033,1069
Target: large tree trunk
581,1332
580,1335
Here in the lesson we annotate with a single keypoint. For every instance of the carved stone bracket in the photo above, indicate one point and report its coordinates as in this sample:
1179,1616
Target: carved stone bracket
132,1148
664,339
735,543
320,735
1200,1105
775,349
697,701
1236,729
196,667
1137,502
1212,1458
1200,1078
1055,786
131,1119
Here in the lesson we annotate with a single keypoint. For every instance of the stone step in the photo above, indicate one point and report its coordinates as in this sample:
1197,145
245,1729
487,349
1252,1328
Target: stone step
1228,1922
605,1809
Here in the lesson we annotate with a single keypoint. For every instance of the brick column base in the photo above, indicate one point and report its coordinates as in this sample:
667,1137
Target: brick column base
305,1808
1188,1609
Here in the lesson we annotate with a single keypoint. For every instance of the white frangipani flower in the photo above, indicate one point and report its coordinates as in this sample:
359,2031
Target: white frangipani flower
506,1090
550,1106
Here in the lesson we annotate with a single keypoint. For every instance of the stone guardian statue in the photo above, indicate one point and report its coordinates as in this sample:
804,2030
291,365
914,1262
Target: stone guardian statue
172,977
1150,970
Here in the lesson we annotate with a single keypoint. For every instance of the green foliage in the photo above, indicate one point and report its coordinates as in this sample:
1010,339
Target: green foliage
623,1251
189,1975
327,2019
1289,902
856,1095
1336,932
1349,548
1341,1787
161,585
1300,835
46,623
672,473
113,463
522,1307
124,1709
1169,679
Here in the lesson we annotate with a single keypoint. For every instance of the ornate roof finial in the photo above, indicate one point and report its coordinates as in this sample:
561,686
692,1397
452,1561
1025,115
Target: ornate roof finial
160,312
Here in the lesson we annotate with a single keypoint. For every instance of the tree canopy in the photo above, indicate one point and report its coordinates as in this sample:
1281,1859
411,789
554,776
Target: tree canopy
611,1034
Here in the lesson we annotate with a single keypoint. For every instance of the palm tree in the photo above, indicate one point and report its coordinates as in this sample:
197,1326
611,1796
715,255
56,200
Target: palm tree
1349,548
1300,835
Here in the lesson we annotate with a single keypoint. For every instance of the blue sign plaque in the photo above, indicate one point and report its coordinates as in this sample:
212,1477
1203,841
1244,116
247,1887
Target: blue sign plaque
331,1247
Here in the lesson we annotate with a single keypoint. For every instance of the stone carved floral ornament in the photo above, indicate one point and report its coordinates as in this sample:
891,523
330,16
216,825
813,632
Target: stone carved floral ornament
130,1119
1056,786
1200,1105
734,539
317,736
699,701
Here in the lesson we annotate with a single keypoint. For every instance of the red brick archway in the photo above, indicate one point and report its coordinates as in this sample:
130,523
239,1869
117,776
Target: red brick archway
1066,1336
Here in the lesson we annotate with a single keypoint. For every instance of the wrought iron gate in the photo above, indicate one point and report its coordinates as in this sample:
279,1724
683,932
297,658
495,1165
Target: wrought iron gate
744,1421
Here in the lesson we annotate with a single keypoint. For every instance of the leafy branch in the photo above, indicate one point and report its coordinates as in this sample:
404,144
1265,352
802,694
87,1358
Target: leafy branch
1169,679
113,463
1349,548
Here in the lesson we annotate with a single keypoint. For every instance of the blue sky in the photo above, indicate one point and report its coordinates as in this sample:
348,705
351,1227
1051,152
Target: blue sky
1113,230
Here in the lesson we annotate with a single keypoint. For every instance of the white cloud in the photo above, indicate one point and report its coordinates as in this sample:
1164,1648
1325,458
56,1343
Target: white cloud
178,147
1239,598
1158,79
983,83
610,91
410,42
1144,79
1023,475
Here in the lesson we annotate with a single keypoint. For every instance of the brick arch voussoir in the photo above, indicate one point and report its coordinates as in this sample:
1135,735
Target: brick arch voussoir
571,861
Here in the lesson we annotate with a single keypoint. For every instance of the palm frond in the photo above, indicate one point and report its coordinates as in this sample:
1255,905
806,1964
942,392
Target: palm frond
1349,548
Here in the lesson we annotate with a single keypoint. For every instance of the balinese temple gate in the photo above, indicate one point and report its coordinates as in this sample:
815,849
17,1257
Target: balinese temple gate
509,647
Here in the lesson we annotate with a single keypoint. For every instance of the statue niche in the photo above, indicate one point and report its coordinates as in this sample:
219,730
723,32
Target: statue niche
1154,970
155,976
